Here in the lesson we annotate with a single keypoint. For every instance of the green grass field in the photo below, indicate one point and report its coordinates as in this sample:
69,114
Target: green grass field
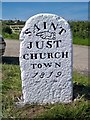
11,91
12,36
79,41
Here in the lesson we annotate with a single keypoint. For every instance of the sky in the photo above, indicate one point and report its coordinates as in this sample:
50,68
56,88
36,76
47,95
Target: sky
24,10
45,0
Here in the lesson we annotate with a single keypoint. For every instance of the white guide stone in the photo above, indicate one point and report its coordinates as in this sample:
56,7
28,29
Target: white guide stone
46,60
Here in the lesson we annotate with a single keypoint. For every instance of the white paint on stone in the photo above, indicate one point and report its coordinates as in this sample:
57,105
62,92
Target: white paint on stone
46,60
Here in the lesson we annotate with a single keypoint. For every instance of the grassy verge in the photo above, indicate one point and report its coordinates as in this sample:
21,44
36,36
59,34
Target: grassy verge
11,36
11,90
79,41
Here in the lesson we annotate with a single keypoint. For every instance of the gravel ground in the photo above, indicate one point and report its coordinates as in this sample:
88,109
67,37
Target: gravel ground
80,54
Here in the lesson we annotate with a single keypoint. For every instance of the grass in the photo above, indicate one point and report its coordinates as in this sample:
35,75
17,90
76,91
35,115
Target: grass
11,90
76,110
79,41
13,36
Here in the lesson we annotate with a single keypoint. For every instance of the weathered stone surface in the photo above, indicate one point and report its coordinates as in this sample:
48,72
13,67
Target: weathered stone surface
46,60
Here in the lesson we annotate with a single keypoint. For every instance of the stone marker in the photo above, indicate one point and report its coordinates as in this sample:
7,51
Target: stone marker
46,60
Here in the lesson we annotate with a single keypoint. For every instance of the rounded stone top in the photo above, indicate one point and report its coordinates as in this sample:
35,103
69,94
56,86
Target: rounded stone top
45,16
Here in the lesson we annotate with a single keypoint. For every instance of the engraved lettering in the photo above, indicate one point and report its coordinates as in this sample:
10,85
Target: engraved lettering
26,56
64,54
39,45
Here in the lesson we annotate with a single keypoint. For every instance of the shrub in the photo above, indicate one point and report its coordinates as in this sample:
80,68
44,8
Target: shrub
7,29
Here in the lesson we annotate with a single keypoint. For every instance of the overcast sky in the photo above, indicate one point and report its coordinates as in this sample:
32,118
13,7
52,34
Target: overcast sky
24,10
